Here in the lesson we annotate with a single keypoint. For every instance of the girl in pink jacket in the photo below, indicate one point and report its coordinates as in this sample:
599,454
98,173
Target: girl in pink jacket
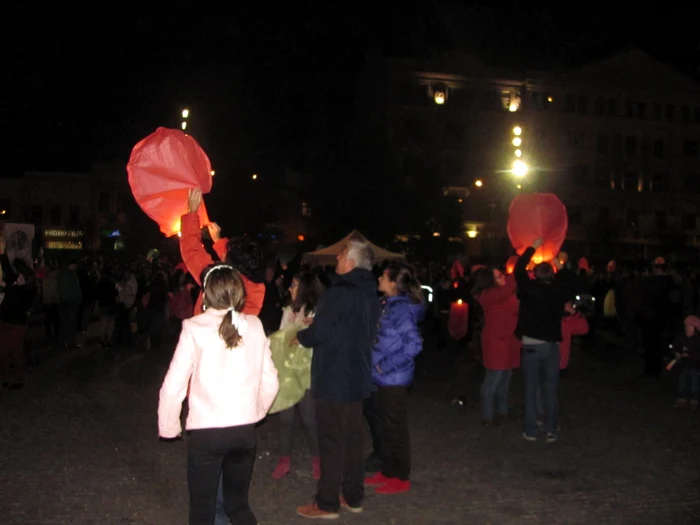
225,357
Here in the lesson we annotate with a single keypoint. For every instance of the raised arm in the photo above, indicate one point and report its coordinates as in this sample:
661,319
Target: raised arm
192,250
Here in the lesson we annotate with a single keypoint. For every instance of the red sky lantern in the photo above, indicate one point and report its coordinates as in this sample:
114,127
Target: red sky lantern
537,215
162,169
510,264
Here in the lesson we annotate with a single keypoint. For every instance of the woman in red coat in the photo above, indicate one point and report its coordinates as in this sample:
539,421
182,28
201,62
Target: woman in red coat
500,348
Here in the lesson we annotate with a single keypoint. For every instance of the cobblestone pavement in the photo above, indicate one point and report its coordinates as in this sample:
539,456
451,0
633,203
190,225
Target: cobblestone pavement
79,446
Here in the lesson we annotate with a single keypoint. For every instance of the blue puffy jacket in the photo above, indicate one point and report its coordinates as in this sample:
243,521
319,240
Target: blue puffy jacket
398,342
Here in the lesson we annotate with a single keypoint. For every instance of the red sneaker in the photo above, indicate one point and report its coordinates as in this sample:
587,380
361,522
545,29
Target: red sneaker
394,486
377,479
283,467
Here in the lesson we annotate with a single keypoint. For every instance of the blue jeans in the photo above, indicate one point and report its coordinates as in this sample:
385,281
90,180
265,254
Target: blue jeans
495,389
541,365
221,518
689,384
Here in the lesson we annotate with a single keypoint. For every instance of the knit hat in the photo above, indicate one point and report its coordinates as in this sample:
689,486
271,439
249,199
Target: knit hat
694,321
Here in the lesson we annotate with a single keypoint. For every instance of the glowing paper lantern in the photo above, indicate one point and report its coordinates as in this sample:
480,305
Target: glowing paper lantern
162,169
537,215
458,319
510,264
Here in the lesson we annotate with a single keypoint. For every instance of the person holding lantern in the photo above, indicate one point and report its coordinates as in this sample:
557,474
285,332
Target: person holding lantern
245,256
500,348
542,301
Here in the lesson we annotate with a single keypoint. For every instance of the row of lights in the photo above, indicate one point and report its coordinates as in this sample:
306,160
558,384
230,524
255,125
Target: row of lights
520,168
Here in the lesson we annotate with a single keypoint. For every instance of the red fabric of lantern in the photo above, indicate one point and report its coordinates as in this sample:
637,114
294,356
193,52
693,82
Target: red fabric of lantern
162,169
510,264
458,319
537,215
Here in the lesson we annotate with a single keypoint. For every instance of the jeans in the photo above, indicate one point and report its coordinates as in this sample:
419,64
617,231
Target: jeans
392,403
689,384
540,364
495,389
340,443
307,409
220,454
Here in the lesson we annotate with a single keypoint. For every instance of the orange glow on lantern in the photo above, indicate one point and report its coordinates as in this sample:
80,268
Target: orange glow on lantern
510,264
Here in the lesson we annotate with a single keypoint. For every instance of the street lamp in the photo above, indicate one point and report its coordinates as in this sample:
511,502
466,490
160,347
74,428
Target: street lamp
212,172
185,113
478,183
519,168
517,131
184,125
255,176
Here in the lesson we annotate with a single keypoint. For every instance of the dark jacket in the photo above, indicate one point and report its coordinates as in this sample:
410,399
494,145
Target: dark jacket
689,348
342,336
398,342
541,304
69,287
18,301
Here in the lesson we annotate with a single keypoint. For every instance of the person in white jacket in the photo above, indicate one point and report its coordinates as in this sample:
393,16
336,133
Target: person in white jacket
224,357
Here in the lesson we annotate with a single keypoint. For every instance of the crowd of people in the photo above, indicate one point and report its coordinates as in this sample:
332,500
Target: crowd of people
359,326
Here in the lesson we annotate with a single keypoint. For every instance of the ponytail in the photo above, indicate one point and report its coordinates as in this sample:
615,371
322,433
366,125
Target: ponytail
223,289
229,331
407,284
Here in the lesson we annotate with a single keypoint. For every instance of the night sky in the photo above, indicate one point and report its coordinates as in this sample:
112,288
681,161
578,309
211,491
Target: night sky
267,88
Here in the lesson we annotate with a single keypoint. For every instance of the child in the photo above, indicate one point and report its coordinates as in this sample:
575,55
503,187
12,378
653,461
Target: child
225,357
398,343
573,323
305,292
686,348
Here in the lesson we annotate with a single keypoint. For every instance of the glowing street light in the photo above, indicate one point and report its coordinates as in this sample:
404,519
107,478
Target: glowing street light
184,125
519,168
255,176
478,183
518,153
212,172
439,98
517,141
185,113
517,130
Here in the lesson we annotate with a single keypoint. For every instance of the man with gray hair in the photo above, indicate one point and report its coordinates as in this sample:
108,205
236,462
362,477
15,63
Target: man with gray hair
342,336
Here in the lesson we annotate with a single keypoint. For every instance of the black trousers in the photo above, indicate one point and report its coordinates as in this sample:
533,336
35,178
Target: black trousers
228,451
340,443
392,403
369,408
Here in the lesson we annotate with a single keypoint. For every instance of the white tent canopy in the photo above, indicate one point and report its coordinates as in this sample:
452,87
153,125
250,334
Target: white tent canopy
328,255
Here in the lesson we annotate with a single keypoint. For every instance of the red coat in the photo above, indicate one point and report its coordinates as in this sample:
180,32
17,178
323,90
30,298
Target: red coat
571,325
500,349
197,259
